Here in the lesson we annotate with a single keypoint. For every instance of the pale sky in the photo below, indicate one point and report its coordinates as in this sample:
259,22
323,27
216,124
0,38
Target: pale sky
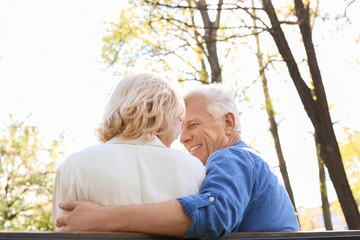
50,67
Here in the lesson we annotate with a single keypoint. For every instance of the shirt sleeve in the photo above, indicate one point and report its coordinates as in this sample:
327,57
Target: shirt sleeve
61,192
223,198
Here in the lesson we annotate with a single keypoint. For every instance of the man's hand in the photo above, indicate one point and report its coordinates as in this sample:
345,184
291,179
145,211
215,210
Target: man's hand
164,218
83,217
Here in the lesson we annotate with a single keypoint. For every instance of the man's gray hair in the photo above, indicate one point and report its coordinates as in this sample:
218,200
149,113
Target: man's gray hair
220,101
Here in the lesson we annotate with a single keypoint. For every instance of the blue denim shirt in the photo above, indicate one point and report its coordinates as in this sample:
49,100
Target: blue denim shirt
240,193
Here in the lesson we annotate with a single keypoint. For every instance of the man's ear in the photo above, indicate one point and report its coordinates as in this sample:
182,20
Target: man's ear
229,123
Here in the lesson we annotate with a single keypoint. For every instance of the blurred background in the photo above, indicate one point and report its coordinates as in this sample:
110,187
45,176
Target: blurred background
61,59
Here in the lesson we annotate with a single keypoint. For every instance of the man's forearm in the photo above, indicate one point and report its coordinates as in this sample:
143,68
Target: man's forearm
165,218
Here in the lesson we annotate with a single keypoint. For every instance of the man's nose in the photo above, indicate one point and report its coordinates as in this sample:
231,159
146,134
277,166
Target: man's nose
184,136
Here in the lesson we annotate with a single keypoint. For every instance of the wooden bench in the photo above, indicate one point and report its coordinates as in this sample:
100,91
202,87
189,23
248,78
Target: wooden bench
333,235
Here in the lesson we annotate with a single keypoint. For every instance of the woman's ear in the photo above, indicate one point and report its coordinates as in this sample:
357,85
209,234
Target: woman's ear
229,123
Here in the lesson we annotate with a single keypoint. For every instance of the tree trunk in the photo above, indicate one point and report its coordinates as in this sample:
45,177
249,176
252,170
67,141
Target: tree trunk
271,116
316,107
323,190
200,51
210,35
275,135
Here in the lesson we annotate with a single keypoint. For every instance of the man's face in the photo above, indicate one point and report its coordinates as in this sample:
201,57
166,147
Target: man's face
202,134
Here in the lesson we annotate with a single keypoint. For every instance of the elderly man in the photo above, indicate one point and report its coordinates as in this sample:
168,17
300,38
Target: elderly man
240,192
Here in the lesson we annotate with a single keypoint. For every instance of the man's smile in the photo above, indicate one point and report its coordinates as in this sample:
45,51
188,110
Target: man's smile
192,149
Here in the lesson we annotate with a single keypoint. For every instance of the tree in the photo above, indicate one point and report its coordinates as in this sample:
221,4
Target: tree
184,33
27,169
182,37
323,192
315,103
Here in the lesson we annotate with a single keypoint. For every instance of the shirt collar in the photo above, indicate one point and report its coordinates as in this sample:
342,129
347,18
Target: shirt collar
136,141
240,143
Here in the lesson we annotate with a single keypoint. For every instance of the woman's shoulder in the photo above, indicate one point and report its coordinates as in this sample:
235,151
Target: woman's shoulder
82,155
180,157
180,154
189,161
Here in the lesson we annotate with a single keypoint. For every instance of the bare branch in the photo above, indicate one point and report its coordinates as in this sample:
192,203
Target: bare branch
228,6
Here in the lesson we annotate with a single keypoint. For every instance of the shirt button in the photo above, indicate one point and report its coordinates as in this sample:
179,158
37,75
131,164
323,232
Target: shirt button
211,199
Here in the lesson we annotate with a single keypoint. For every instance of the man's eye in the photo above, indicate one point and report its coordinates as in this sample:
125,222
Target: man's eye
192,125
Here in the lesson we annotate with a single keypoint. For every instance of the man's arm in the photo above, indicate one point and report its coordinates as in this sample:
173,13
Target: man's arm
214,212
165,218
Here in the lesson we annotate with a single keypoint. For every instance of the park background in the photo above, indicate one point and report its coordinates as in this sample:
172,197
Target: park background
53,77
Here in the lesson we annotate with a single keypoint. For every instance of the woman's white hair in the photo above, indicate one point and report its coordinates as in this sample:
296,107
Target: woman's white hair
141,104
220,101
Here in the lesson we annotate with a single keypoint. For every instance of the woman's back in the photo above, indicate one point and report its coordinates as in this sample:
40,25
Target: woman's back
127,171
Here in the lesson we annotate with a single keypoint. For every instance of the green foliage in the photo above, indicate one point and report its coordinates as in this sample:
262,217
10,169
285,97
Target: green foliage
27,169
162,35
311,218
141,33
350,152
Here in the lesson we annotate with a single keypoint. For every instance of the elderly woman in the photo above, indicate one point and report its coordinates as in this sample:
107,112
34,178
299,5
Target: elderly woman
134,164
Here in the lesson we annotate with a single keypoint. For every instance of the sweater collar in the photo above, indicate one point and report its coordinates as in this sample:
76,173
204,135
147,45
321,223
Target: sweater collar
137,141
